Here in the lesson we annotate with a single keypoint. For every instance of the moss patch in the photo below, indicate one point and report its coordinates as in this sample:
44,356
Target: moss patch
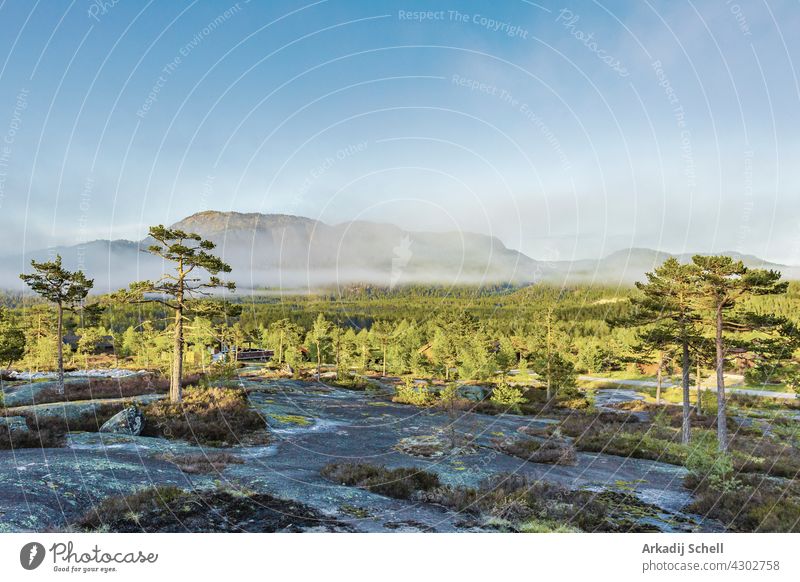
292,419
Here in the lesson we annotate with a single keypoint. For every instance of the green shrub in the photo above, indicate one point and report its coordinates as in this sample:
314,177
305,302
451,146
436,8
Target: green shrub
351,382
706,464
222,371
508,396
449,395
417,395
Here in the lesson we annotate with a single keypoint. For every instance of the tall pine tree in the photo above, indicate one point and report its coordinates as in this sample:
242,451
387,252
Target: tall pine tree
189,254
665,305
723,284
66,290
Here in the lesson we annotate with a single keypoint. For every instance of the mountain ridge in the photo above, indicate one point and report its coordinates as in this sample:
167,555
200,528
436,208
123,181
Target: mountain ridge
289,251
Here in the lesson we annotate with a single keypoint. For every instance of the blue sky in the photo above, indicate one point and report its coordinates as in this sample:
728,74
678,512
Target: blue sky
569,129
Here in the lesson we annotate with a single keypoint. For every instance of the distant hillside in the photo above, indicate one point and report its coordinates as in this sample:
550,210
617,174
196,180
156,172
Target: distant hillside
113,264
290,252
285,251
628,266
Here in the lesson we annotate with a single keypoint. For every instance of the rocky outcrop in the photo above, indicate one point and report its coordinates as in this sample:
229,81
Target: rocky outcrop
473,393
14,424
437,445
129,421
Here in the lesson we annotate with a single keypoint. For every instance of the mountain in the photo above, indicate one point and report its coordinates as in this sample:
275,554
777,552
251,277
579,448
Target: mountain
112,263
293,252
629,265
281,250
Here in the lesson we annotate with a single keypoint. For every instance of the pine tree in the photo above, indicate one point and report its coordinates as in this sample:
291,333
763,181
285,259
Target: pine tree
337,339
451,339
319,334
283,333
65,289
190,253
723,283
364,348
547,348
131,343
665,306
89,340
348,348
12,339
201,335
383,333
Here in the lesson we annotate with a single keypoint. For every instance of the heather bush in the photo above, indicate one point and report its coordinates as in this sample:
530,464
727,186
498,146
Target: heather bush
220,416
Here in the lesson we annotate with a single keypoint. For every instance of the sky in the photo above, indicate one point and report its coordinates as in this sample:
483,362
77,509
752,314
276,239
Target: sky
565,129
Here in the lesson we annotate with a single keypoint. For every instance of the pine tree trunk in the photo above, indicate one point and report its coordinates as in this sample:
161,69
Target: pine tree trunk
384,360
549,359
60,348
319,361
38,343
280,350
685,366
659,377
722,421
175,384
699,381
